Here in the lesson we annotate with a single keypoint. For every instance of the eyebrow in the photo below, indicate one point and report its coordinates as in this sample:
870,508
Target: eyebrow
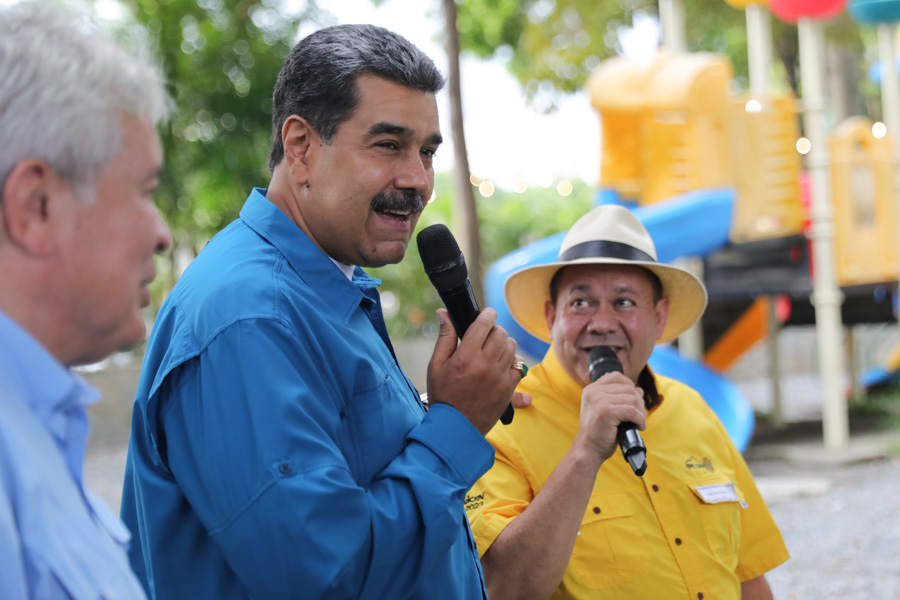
619,289
383,128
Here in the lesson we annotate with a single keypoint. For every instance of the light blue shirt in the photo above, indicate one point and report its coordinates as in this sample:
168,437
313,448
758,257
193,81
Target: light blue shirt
57,541
278,450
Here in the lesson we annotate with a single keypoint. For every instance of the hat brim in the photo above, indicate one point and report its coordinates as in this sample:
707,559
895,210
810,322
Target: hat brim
528,290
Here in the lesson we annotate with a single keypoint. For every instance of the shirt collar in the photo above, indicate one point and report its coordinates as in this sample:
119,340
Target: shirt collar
52,392
315,267
34,375
347,270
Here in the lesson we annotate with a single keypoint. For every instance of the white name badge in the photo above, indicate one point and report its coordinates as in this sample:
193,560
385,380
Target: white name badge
719,492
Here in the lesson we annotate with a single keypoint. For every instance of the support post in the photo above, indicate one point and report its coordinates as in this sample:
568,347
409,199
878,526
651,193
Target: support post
827,296
759,47
671,20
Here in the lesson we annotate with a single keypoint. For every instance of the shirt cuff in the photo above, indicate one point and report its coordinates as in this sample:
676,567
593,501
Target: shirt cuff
453,437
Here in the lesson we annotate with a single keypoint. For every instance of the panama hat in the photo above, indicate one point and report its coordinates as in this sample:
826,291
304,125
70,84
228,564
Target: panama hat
608,235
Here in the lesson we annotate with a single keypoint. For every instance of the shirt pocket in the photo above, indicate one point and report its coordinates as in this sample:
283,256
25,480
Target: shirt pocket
610,548
719,504
379,416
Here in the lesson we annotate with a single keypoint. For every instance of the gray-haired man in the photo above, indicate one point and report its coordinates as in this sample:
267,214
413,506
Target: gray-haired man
79,156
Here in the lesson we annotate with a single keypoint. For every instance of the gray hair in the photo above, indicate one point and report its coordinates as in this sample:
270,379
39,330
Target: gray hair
64,87
318,79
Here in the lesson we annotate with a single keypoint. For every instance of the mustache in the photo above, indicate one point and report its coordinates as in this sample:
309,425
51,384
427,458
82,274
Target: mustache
401,201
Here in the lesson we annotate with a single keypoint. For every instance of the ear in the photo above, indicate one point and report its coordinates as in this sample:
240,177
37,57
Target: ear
298,138
549,315
34,197
662,316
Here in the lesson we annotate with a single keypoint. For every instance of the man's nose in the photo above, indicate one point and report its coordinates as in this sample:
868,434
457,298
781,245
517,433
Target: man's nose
163,235
413,174
603,320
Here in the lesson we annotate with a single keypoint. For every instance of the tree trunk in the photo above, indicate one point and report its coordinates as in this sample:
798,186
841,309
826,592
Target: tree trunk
464,212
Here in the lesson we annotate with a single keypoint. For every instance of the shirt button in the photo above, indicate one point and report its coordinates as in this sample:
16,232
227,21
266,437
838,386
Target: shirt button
699,595
655,488
677,541
284,468
596,510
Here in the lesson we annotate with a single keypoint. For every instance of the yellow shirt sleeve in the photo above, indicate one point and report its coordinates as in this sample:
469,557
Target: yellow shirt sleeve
501,494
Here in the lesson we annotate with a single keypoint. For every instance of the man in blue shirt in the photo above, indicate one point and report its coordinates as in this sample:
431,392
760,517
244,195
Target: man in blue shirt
278,450
79,156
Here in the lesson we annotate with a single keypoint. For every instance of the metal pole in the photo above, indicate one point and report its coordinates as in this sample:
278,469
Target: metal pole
827,296
759,54
890,100
690,343
671,20
775,363
759,47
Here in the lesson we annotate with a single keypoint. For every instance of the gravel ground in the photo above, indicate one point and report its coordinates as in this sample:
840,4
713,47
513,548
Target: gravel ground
843,543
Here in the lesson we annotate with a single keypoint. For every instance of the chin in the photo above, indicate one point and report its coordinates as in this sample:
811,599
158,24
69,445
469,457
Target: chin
132,334
381,259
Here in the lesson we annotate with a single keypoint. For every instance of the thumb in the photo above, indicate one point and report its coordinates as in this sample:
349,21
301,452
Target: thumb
447,338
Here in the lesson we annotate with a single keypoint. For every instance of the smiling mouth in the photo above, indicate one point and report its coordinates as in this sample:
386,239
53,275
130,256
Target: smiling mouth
396,215
616,349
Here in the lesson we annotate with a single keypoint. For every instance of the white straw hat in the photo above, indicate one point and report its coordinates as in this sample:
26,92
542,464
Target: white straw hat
608,235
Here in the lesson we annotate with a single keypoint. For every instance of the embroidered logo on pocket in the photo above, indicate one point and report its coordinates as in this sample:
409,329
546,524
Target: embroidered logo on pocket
694,463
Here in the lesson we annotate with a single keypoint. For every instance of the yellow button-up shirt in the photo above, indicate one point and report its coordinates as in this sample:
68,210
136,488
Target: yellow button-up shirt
694,526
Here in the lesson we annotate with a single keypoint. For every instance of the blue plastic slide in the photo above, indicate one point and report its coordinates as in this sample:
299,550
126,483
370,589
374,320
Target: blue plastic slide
693,224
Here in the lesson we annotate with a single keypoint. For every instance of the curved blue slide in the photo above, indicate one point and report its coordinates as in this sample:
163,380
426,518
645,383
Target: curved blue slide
693,224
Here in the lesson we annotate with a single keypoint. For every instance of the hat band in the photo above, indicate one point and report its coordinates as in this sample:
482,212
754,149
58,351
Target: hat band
604,249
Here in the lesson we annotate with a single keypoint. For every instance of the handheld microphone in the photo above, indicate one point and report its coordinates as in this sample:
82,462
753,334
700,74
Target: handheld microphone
445,266
602,360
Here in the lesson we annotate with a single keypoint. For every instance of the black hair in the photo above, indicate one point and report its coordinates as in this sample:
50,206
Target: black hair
318,79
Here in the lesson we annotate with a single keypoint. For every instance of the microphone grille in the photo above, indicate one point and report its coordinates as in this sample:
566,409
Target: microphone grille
602,360
443,261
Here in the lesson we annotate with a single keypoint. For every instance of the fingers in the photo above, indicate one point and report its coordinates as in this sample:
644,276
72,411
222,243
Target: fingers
520,400
446,340
624,400
480,330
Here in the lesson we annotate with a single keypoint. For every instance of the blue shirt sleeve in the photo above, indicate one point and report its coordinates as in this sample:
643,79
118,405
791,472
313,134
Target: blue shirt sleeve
256,435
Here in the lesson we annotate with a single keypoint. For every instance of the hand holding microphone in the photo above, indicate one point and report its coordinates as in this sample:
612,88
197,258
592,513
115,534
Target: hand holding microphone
485,354
603,360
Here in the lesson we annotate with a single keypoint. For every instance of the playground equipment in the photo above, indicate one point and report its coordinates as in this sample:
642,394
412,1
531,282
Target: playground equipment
715,175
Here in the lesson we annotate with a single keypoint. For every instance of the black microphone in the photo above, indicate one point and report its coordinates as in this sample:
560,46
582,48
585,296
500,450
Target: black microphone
445,266
603,360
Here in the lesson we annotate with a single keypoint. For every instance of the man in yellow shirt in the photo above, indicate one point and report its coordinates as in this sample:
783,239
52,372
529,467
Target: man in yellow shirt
554,517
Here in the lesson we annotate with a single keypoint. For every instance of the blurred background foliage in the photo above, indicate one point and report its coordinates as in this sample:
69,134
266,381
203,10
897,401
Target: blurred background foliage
222,58
551,46
508,220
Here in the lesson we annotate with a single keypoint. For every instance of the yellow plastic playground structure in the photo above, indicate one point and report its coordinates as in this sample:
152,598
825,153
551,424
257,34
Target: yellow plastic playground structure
670,126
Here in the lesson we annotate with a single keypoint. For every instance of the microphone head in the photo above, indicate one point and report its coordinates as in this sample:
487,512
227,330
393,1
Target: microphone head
602,360
443,260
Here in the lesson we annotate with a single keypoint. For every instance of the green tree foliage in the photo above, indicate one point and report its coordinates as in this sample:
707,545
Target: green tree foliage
221,58
508,221
551,46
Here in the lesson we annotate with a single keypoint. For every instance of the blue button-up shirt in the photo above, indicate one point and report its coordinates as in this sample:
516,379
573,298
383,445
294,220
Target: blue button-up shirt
56,540
278,450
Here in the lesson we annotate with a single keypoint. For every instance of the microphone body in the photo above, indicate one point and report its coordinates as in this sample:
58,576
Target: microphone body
446,268
603,360
462,306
